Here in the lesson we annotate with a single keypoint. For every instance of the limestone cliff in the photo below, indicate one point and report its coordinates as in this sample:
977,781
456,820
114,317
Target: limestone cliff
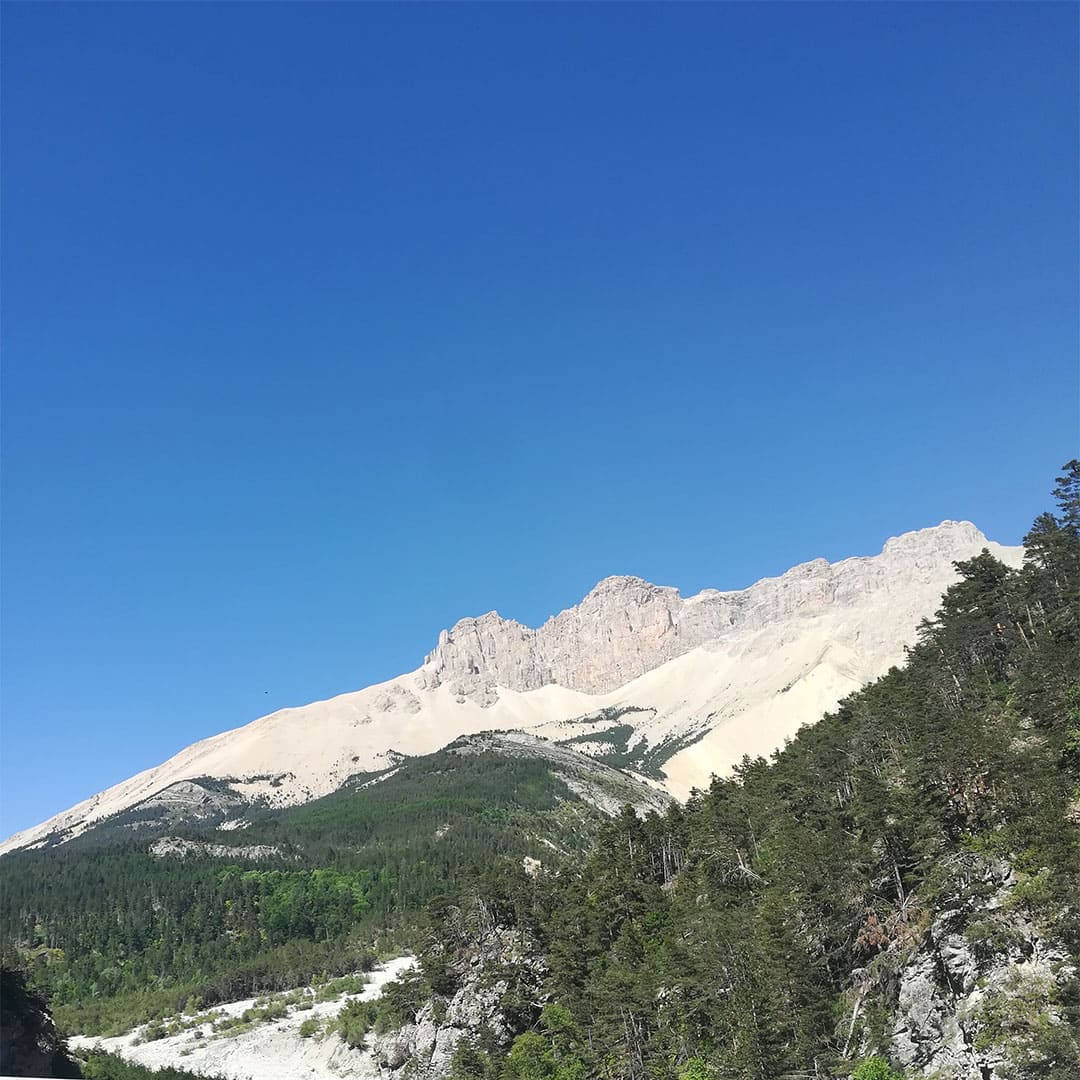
626,627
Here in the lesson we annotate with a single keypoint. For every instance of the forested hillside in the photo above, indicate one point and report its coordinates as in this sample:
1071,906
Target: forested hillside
902,880
115,934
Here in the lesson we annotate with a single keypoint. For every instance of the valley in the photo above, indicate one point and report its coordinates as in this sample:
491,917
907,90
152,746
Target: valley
284,1038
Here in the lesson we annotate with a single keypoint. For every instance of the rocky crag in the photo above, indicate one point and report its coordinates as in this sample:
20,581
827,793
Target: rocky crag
626,627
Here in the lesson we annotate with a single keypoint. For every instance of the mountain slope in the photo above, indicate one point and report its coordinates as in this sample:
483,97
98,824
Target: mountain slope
131,919
685,686
893,895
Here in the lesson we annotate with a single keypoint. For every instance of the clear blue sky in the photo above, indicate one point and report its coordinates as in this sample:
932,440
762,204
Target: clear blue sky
326,325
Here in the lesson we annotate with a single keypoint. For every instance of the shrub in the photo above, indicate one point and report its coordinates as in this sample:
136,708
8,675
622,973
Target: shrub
347,984
875,1068
697,1069
355,1020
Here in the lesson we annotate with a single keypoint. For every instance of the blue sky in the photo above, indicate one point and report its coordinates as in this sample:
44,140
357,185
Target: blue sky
326,325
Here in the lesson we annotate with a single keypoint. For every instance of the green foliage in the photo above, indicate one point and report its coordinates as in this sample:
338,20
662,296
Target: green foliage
118,937
530,1058
1033,890
990,937
1067,495
697,1069
470,1062
355,1020
400,1001
99,1065
334,988
311,1026
875,1068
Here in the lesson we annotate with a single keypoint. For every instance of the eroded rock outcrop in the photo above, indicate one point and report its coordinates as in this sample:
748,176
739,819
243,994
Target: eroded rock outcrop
626,627
976,992
490,974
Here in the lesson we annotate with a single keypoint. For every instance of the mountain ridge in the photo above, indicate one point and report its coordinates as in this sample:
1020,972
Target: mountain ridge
711,676
471,650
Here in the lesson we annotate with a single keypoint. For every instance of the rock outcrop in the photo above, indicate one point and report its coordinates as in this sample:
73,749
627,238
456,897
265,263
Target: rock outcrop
972,988
981,994
176,847
494,968
626,627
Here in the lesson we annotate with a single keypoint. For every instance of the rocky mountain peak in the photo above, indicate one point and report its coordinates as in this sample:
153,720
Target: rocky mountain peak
936,538
621,585
626,626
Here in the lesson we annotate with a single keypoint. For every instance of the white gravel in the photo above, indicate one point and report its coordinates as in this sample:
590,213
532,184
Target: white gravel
273,1050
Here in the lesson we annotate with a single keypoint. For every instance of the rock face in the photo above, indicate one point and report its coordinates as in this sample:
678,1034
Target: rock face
424,1050
967,1016
976,992
626,627
494,963
623,628
175,847
635,674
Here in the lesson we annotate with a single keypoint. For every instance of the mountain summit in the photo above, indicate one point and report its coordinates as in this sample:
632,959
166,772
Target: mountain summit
672,688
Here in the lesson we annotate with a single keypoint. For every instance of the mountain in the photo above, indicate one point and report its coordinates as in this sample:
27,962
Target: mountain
892,894
635,675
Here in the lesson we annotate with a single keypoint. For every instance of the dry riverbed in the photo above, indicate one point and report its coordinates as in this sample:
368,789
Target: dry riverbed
220,1043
